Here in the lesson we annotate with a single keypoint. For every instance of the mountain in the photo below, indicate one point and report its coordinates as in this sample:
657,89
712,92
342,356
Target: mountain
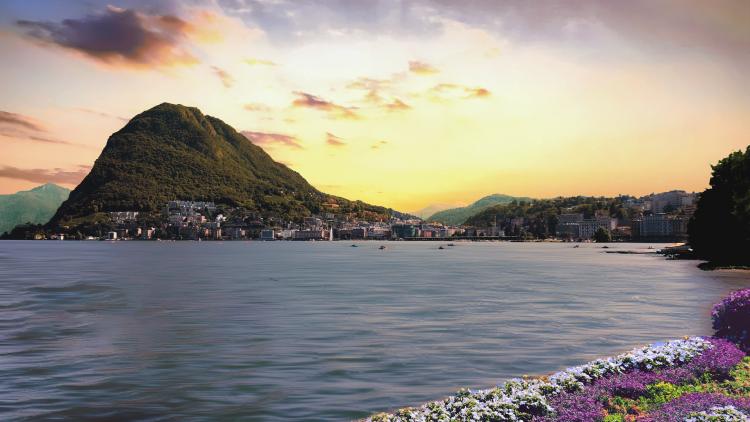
31,206
175,152
456,216
431,209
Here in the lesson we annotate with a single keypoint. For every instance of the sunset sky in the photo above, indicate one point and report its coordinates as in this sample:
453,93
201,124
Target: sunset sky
398,103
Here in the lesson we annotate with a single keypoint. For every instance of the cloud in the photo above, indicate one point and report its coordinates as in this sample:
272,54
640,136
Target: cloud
397,105
378,145
56,175
13,125
334,140
260,62
119,37
422,68
256,107
272,139
102,114
25,122
446,91
226,79
305,100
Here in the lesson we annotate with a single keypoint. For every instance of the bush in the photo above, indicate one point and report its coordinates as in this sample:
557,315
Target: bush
731,319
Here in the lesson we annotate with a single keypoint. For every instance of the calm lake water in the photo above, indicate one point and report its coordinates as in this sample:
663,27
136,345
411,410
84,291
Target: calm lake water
317,331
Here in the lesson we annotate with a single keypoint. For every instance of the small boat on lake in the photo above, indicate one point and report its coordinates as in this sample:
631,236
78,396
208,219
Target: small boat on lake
441,247
381,247
354,246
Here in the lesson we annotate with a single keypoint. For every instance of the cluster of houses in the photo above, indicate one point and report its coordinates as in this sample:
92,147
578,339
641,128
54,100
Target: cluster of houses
658,217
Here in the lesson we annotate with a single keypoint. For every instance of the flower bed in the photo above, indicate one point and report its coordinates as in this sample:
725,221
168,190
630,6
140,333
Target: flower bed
693,380
524,399
731,318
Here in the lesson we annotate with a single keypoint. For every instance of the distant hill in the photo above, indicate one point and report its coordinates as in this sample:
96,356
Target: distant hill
176,152
31,206
456,216
431,209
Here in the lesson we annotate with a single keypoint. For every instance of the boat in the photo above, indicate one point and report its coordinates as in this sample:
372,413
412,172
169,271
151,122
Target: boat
451,244
441,247
381,247
354,246
577,246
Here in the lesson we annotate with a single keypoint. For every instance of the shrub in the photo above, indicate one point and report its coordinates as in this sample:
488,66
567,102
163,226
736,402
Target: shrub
731,319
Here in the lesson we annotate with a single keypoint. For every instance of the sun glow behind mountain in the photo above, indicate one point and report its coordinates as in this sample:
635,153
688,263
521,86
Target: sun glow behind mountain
399,104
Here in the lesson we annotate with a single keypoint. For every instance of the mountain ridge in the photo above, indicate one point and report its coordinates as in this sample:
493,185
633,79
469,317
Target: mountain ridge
35,205
458,215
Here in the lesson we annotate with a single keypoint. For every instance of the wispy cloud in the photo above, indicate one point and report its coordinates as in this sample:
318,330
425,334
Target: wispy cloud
18,126
378,144
334,140
260,62
396,105
272,139
305,100
118,36
55,175
102,114
21,121
422,68
454,91
256,107
226,79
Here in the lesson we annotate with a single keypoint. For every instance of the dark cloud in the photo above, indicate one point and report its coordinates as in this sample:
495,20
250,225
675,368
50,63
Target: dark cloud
422,68
334,140
118,36
226,79
272,139
56,175
305,100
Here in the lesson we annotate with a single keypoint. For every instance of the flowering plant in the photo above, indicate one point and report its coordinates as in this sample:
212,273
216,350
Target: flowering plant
731,318
527,399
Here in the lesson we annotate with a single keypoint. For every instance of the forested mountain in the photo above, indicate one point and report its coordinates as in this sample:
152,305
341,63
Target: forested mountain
175,152
456,216
31,206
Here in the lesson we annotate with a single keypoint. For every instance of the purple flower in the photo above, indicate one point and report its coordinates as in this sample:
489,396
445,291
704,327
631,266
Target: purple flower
731,318
679,409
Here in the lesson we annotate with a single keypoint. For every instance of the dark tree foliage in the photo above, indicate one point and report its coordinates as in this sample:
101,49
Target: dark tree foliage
175,152
720,228
602,235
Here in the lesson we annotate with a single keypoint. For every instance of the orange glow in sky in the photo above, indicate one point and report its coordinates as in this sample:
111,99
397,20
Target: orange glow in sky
402,106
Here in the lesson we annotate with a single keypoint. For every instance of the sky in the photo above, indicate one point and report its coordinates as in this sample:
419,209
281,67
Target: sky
397,103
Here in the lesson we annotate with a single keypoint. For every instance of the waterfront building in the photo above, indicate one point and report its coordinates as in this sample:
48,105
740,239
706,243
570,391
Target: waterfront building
267,234
659,226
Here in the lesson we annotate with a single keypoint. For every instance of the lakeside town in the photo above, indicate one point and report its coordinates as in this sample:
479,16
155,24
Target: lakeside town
656,217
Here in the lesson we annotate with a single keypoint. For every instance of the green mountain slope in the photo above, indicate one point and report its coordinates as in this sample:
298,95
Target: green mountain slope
175,152
35,206
456,216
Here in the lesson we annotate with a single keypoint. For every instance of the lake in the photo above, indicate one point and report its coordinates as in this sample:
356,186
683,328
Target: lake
321,330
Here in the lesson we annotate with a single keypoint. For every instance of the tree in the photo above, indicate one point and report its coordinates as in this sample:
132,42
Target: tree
719,231
602,235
